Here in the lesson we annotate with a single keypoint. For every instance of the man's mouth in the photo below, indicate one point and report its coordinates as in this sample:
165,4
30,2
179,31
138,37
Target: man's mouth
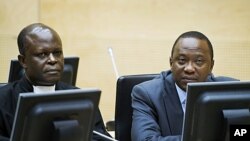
189,79
54,71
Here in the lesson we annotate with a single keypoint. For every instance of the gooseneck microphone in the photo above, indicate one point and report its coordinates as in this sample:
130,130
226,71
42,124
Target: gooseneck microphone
104,136
113,62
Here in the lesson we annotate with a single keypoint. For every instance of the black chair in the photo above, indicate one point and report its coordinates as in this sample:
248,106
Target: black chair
69,73
123,109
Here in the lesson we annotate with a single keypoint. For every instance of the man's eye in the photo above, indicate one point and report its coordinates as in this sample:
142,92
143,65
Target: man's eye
181,60
42,55
199,61
57,53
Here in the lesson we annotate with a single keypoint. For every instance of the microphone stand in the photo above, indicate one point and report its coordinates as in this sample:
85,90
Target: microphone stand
104,136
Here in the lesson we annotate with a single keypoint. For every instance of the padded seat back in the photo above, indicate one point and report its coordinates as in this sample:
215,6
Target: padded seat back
123,108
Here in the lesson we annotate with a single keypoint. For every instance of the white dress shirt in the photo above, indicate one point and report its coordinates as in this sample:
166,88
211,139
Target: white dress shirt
182,96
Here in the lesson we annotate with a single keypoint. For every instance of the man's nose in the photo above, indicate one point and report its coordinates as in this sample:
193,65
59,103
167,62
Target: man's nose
52,58
189,67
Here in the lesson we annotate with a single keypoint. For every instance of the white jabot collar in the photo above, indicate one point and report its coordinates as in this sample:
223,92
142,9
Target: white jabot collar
42,89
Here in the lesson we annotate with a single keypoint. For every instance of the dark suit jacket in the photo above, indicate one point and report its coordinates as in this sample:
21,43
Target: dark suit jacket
157,111
8,101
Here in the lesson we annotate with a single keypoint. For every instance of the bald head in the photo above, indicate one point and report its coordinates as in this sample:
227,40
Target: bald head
31,33
41,54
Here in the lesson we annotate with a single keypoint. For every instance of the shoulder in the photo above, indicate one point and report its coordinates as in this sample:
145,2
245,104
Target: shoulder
212,78
64,86
8,92
154,83
151,88
8,87
159,83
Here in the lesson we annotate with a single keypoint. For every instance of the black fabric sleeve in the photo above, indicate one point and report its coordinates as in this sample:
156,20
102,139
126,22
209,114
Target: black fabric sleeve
99,127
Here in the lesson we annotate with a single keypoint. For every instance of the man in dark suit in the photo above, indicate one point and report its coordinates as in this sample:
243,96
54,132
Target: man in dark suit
41,56
159,104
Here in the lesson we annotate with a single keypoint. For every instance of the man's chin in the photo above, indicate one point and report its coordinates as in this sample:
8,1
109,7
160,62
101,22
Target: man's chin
49,82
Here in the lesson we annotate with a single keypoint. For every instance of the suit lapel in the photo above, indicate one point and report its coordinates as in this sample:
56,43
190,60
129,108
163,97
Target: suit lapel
172,105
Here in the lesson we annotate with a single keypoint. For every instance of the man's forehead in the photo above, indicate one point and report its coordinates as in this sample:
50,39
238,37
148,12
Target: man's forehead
191,41
192,44
40,33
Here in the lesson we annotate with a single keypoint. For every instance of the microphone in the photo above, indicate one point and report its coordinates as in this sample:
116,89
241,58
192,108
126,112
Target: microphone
117,76
113,62
104,136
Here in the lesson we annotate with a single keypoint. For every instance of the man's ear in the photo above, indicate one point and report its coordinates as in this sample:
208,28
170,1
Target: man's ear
170,61
21,59
212,65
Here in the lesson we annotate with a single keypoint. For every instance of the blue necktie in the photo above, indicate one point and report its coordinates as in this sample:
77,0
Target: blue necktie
183,104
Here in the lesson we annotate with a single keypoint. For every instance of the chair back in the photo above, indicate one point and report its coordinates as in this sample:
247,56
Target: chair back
123,108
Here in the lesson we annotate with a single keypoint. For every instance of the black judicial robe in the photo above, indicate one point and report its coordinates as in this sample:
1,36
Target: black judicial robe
8,101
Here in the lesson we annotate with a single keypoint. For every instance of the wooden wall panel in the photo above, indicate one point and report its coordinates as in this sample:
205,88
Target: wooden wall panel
14,15
141,34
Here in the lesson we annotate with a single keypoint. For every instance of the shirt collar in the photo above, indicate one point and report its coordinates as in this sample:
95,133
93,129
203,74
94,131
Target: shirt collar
182,94
42,89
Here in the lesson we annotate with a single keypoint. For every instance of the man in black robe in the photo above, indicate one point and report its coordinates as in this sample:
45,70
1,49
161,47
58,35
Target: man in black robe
41,56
